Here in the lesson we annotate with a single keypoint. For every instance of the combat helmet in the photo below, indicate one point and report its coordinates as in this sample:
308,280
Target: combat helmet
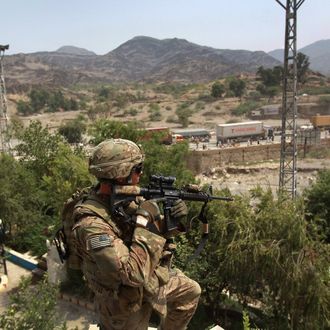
115,158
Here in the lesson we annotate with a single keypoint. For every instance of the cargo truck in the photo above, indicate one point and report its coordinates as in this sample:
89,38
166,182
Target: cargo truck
319,121
237,132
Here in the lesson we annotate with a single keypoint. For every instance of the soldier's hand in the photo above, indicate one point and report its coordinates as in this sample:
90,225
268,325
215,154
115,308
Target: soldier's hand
179,209
147,212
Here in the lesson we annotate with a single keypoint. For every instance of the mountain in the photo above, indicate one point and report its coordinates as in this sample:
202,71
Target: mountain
74,50
318,53
278,54
139,59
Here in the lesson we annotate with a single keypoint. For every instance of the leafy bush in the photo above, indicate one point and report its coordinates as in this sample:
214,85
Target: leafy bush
174,89
73,130
183,113
132,112
155,116
245,108
317,204
266,254
217,90
32,307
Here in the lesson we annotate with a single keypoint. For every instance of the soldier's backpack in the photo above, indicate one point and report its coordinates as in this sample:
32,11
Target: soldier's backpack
63,237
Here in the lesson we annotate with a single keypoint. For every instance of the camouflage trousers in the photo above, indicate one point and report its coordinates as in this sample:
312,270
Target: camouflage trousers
181,294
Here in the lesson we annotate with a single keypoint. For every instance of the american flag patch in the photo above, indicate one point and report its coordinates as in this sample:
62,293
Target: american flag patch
99,241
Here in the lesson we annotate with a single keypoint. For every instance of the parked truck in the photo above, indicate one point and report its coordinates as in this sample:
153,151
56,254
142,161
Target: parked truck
250,130
319,121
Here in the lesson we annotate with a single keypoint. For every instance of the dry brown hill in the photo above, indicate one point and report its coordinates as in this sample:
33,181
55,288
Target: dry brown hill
139,59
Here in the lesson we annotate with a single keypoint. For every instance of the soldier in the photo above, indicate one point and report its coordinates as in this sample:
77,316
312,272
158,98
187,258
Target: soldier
126,265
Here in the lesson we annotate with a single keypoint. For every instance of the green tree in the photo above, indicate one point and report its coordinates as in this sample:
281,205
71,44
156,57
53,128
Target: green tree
217,90
48,172
103,129
32,307
269,91
24,108
22,205
167,161
57,101
317,204
237,86
264,253
73,130
73,104
270,77
38,147
302,67
38,99
183,113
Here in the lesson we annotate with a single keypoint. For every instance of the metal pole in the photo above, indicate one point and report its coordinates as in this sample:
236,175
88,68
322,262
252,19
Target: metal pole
4,141
288,162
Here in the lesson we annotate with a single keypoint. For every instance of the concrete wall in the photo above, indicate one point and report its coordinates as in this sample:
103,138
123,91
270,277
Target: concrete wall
200,161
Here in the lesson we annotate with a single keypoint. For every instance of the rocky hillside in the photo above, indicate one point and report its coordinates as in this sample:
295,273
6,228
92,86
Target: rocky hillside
139,59
318,53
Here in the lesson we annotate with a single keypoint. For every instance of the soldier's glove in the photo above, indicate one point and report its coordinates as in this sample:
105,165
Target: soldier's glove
179,210
147,213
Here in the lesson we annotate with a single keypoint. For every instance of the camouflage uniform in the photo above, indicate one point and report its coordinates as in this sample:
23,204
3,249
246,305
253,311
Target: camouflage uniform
129,275
127,267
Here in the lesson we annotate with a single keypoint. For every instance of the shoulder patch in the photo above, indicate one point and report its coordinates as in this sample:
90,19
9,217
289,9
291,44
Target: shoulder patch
99,241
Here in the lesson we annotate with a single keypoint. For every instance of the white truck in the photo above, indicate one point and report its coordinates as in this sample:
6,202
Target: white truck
253,130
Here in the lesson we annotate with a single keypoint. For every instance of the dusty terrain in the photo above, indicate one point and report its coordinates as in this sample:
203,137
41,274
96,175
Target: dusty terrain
241,179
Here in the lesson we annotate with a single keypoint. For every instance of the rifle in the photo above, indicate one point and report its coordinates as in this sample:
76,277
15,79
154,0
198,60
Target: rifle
161,188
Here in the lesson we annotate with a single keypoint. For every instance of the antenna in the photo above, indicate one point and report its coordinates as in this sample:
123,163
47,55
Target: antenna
288,162
4,140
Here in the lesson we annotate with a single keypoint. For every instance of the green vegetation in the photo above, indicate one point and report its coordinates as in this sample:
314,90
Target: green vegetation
318,206
217,90
245,108
262,249
236,86
266,254
32,307
270,81
183,113
302,67
43,100
173,89
73,130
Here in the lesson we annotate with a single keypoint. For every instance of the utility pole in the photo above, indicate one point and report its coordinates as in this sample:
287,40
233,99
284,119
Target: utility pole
4,141
3,265
288,162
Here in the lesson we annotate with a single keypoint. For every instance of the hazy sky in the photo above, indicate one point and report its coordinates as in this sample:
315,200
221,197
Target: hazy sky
102,25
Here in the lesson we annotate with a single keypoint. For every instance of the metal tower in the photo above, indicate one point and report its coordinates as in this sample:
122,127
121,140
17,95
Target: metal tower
4,142
288,162
3,265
